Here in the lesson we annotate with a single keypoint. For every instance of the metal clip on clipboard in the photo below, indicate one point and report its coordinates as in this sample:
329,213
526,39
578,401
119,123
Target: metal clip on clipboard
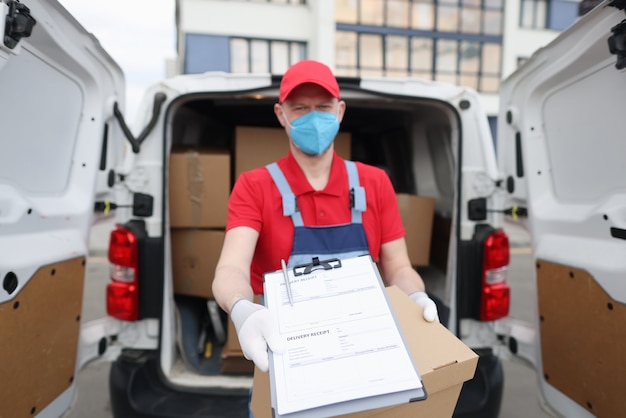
333,263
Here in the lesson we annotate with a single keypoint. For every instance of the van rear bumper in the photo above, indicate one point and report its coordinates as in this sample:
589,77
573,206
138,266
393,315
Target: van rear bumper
481,397
138,390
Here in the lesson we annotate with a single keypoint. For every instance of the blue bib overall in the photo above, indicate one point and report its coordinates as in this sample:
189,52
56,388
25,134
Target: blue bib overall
325,242
330,241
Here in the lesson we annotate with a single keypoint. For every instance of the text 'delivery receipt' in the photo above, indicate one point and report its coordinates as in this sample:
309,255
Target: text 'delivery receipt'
342,342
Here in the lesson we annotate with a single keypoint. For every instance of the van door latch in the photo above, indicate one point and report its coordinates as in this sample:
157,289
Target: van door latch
477,210
18,24
142,205
617,44
514,212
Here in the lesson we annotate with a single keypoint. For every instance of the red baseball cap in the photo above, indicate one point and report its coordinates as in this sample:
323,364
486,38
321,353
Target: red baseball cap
308,71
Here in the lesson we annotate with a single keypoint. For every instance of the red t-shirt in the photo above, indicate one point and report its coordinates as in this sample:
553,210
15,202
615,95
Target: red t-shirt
256,202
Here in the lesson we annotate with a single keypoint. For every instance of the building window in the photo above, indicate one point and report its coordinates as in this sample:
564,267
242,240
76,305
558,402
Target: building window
346,11
371,55
346,52
470,64
396,55
492,22
422,15
447,18
446,60
262,55
421,61
548,14
397,13
278,1
240,55
533,14
371,12
446,40
491,59
205,53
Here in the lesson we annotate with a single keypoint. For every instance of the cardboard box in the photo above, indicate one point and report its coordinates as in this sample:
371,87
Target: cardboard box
199,186
232,357
258,146
233,360
195,253
443,361
417,214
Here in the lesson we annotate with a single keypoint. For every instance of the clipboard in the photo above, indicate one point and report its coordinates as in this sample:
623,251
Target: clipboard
344,349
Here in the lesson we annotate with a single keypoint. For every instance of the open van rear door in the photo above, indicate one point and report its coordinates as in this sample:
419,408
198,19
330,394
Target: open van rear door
58,154
561,148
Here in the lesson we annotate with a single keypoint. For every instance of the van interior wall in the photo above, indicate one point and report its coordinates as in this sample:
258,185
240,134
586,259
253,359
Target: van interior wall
410,141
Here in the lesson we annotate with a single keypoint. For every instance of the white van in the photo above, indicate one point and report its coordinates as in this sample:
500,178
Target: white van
560,151
68,160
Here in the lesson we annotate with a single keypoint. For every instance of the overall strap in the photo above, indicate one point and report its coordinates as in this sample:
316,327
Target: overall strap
290,204
358,203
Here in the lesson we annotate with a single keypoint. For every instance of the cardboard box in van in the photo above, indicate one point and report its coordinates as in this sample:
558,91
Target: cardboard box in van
417,214
443,361
195,253
257,146
233,360
199,186
232,357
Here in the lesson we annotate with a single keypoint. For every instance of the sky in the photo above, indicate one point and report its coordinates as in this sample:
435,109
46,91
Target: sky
139,34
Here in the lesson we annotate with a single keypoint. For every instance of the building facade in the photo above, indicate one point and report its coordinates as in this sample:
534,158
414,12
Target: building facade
473,43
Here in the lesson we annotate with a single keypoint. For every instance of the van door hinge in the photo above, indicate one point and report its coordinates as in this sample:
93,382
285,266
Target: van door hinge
159,99
18,24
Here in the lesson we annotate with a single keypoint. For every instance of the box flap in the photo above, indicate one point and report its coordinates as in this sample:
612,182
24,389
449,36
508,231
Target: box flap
433,346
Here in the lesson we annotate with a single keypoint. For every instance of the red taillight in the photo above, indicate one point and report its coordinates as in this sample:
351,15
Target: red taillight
123,247
495,293
122,292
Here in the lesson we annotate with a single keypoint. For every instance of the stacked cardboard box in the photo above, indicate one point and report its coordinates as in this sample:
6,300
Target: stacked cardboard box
194,257
233,360
199,186
417,214
257,146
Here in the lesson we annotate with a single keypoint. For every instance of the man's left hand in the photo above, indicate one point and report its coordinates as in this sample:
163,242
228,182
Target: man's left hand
427,304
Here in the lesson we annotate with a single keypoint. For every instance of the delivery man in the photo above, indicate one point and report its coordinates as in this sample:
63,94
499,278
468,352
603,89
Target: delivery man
310,203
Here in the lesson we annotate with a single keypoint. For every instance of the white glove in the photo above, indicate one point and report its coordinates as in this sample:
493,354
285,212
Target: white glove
256,330
427,304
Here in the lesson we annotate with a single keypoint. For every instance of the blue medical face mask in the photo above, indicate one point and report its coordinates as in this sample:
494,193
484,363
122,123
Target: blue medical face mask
314,132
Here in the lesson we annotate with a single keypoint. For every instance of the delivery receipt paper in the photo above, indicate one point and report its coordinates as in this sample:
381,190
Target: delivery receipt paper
341,339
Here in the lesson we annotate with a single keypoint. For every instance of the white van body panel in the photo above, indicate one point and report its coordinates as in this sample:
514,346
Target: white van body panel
563,108
58,89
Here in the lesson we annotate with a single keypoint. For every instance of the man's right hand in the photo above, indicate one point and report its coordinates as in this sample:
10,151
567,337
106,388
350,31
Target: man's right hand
256,330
